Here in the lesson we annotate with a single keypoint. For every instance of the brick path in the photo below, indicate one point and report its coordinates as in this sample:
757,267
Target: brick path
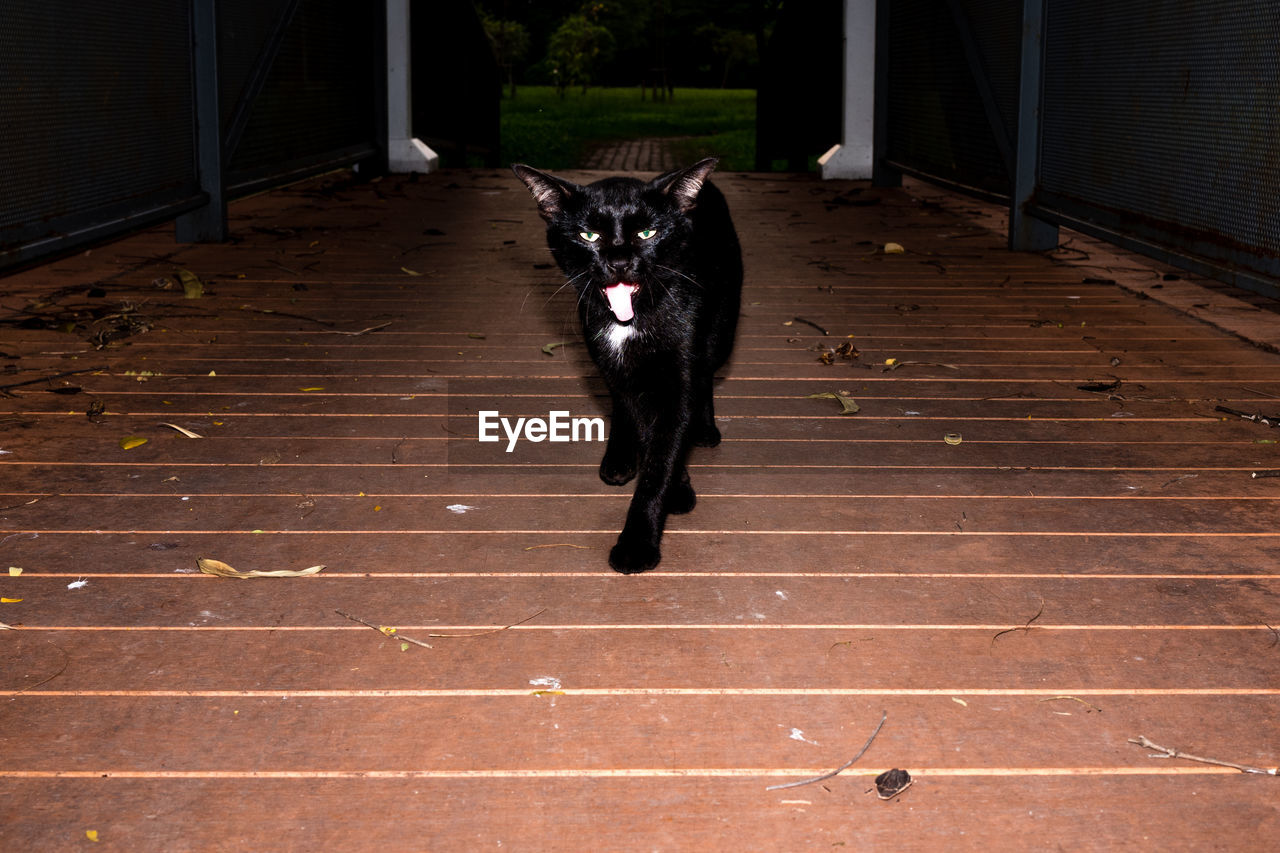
635,155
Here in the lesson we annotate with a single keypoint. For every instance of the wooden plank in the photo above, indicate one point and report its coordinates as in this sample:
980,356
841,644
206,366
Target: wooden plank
332,656
1200,810
991,603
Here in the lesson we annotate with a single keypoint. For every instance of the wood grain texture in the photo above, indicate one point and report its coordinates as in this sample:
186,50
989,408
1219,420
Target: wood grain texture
1083,567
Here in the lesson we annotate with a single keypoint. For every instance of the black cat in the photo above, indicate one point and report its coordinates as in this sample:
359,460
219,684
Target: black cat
658,272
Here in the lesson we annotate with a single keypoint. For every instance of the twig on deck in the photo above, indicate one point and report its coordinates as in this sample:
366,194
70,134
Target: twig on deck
491,631
66,660
1256,417
5,388
385,631
1026,627
884,715
355,334
273,313
1170,752
811,323
1091,708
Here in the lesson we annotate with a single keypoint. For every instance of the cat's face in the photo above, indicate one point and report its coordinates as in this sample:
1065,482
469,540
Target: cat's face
620,240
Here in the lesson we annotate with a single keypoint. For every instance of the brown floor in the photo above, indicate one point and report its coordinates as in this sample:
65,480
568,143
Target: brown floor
1084,567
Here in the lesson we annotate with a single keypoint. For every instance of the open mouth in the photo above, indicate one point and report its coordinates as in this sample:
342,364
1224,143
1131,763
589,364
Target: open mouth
619,296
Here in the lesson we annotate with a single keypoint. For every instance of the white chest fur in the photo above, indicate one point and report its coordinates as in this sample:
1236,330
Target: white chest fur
617,336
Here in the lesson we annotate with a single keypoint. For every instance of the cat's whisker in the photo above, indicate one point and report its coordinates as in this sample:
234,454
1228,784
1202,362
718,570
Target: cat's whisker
563,286
692,281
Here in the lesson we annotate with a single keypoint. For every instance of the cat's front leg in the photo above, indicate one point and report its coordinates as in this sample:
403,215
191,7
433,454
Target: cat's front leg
662,486
619,463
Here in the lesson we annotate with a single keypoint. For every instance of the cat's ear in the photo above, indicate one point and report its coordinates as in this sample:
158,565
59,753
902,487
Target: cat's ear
683,185
548,191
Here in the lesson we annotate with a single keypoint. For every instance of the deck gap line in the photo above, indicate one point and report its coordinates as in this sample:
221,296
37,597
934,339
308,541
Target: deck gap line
526,692
1162,534
581,575
409,466
721,626
623,495
610,773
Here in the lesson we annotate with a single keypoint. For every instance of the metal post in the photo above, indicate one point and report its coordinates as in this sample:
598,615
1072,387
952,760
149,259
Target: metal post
207,224
405,152
1026,232
851,157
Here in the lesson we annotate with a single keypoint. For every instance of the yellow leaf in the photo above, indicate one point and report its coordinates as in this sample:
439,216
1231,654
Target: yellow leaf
408,271
952,438
129,442
10,600
14,571
313,388
404,647
893,249
212,373
890,361
192,286
91,834
221,569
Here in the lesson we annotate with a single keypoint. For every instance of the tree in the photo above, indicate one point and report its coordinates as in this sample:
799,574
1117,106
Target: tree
510,43
577,50
731,47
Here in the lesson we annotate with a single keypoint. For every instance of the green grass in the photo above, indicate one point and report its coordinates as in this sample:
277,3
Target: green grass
541,129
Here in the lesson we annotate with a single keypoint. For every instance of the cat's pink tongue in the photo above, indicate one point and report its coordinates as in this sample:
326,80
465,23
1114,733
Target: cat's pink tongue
619,296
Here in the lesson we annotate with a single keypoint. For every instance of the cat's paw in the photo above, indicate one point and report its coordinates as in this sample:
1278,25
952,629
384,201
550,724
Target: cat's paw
630,557
681,498
616,473
707,435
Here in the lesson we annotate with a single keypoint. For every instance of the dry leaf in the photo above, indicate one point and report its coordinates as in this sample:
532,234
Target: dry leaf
129,442
222,570
847,406
891,783
14,571
952,438
893,249
188,433
549,349
192,286
408,271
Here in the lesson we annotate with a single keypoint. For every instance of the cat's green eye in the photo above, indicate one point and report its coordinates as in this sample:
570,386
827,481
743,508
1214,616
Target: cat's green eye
589,236
646,233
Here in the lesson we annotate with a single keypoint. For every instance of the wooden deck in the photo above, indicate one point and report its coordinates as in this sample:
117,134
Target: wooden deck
1083,567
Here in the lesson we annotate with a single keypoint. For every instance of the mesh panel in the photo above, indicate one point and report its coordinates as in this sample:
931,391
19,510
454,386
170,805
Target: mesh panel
319,96
1165,115
96,99
936,121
